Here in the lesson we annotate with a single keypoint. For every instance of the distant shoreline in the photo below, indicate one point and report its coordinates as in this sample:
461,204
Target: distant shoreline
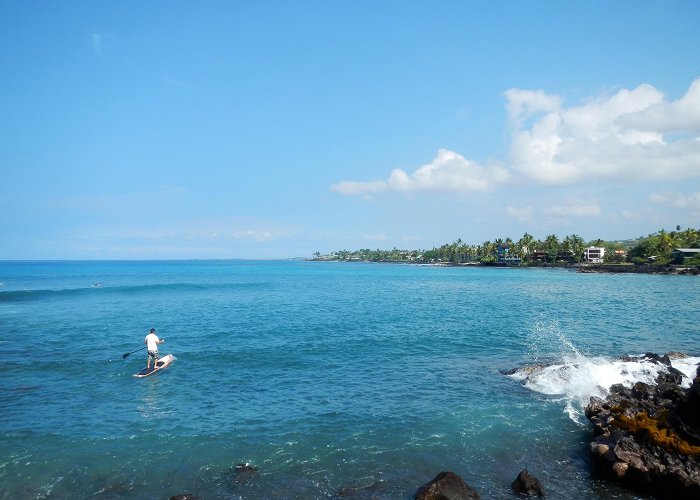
579,267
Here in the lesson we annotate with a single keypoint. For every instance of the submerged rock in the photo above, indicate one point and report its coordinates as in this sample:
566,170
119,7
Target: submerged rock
446,486
528,485
361,492
648,436
241,474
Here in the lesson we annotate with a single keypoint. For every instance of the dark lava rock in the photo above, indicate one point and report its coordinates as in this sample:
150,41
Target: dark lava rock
648,437
242,474
446,486
685,417
184,496
528,485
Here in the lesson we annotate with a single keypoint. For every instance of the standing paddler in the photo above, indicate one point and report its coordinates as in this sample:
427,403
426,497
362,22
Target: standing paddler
152,342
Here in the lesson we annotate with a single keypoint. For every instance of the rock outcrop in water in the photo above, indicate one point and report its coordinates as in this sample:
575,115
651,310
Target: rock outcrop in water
648,436
528,485
446,486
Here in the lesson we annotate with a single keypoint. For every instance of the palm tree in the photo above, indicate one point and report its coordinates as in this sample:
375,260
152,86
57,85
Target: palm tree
576,246
551,245
666,242
690,237
487,250
525,245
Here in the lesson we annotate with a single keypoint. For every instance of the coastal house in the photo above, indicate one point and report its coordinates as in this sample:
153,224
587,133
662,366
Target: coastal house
504,258
680,254
539,256
566,256
594,255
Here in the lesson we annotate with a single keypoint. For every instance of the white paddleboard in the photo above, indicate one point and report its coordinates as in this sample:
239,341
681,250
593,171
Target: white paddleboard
162,364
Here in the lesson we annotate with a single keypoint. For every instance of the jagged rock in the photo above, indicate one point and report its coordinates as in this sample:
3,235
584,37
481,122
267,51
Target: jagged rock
184,496
528,485
685,417
446,486
648,436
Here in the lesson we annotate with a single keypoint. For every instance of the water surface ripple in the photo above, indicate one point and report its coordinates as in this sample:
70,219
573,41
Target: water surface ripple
325,376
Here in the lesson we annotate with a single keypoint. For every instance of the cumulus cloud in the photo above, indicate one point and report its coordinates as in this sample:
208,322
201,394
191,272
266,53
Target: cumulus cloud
449,171
621,137
633,134
523,104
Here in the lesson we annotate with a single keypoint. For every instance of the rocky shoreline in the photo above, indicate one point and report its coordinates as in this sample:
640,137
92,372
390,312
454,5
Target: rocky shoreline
648,436
445,486
638,269
672,269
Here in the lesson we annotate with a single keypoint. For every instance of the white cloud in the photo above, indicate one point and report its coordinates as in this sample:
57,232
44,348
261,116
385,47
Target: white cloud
449,171
631,135
523,104
248,234
677,200
523,214
574,209
618,137
682,115
220,230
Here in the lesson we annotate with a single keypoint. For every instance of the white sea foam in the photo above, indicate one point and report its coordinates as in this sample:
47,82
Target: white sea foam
577,378
561,370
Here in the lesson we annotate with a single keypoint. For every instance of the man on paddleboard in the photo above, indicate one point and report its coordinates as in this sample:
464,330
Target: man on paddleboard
152,342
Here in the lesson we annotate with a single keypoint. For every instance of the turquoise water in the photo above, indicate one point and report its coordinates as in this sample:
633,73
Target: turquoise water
324,376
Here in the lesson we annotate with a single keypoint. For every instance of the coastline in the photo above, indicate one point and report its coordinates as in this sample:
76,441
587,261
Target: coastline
671,269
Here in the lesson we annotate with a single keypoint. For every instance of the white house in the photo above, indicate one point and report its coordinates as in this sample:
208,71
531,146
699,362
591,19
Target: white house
594,254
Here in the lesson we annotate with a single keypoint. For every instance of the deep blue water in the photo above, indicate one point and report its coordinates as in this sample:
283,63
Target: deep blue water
324,376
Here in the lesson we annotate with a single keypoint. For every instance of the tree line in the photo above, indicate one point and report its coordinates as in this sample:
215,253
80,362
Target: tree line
655,248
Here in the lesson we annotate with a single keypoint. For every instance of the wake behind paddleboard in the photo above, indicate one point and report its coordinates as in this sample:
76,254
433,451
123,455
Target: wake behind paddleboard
162,364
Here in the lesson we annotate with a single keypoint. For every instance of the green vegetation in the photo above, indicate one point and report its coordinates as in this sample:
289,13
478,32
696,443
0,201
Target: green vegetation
655,249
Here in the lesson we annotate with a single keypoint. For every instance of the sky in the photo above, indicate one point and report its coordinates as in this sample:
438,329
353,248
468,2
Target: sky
277,129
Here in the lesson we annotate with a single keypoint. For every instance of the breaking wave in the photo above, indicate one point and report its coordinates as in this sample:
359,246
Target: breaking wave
574,378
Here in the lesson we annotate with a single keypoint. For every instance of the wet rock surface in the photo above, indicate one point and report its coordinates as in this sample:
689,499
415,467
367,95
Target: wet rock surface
527,485
446,486
648,436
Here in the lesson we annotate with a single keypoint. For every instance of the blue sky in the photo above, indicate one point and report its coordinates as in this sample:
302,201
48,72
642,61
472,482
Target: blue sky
243,129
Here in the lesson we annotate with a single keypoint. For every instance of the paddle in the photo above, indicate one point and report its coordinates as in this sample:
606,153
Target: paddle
132,352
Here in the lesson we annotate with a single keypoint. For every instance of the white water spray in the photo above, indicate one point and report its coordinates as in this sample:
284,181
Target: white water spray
577,377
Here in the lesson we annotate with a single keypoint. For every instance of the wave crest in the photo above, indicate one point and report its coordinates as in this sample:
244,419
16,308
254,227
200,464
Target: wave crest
577,378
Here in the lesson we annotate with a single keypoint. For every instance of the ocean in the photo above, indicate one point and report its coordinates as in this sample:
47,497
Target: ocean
330,379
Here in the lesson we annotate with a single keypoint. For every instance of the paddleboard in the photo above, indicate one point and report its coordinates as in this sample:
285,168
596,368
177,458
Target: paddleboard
162,364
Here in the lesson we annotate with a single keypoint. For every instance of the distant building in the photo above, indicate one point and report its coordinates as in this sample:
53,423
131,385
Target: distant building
680,254
594,254
539,256
504,258
565,257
